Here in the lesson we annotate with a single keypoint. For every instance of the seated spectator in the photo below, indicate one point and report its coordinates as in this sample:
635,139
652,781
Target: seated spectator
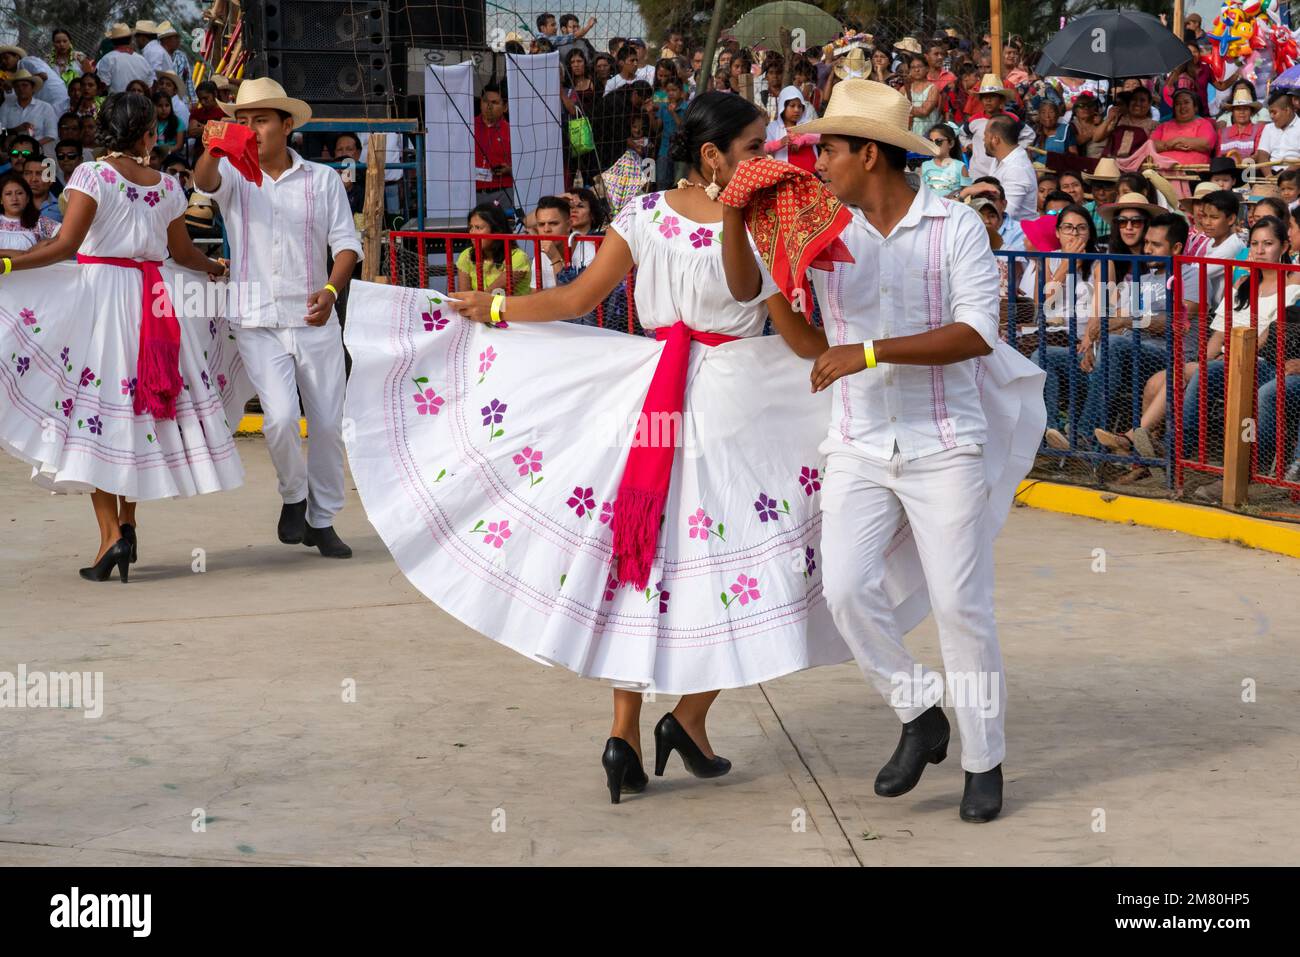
1013,237
1051,133
170,130
1188,138
1288,186
588,216
67,157
945,173
1130,123
550,219
500,270
1071,183
39,182
178,166
1047,183
21,223
1239,138
1280,139
1216,217
1104,182
347,146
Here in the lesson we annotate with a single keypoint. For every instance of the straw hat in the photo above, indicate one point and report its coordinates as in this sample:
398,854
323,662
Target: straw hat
1109,211
16,51
147,27
991,84
872,111
20,75
854,66
165,29
1240,97
119,31
908,45
265,94
220,82
1107,171
173,77
1202,190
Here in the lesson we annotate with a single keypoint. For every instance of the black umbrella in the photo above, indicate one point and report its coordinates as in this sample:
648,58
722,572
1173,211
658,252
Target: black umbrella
1112,45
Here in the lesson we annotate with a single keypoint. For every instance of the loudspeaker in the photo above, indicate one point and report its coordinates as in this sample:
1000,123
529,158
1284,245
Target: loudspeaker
438,23
323,25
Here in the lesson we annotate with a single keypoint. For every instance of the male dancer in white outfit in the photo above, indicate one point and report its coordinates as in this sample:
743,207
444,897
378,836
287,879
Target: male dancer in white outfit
283,302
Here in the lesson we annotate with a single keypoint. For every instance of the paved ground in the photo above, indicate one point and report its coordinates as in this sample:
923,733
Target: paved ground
223,693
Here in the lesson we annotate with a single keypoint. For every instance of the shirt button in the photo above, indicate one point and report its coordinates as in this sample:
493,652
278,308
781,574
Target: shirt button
893,418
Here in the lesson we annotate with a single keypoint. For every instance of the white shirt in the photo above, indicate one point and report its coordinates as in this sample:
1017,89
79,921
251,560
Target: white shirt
392,154
45,124
981,164
1266,312
182,111
158,58
54,91
934,269
615,81
1016,173
1227,249
280,233
548,273
1281,144
117,68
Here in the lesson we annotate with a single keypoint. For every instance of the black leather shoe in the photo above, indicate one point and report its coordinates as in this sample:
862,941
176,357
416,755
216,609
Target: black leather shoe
118,556
982,798
924,740
623,771
327,540
293,522
128,532
670,735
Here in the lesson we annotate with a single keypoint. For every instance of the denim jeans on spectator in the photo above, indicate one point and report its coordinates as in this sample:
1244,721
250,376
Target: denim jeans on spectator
1056,361
1122,376
1215,373
1268,418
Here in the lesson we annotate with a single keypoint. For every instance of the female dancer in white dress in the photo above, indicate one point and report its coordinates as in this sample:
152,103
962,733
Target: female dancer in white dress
70,338
490,461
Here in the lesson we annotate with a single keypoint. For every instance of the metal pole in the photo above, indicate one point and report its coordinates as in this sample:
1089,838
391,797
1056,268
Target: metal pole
711,44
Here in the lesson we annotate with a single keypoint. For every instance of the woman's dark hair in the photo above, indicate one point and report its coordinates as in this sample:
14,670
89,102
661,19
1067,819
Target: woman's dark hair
581,54
1278,206
1280,232
495,217
1091,245
171,125
1117,246
1134,183
599,208
123,121
1060,177
57,30
954,151
713,117
30,213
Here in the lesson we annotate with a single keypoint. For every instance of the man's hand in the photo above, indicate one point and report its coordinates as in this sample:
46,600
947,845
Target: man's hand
1291,367
835,362
319,305
213,129
502,170
219,268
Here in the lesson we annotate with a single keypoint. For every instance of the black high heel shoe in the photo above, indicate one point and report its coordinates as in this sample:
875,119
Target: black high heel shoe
669,734
118,556
623,770
128,533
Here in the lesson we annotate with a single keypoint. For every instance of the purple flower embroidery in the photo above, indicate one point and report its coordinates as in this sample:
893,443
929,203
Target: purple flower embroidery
663,598
64,355
808,478
207,383
699,524
128,386
434,321
611,585
212,328
485,360
132,193
493,412
810,564
648,202
497,533
744,590
95,425
29,317
428,402
87,377
669,227
66,408
702,237
22,364
529,460
107,175
582,501
766,507
152,197
169,184
606,513
221,382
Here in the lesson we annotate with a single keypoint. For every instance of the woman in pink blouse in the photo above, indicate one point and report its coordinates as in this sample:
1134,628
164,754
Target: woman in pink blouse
1187,138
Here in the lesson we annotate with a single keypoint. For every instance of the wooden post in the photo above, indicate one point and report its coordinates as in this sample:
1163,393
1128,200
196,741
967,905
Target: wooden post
1239,428
1177,26
372,214
995,33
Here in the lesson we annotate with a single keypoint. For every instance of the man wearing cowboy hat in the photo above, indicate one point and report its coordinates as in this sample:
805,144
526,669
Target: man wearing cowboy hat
153,51
170,40
52,89
912,312
1104,182
120,65
993,98
280,234
1280,140
23,113
145,32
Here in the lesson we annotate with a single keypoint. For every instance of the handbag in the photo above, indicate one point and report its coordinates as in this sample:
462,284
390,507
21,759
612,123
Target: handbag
581,139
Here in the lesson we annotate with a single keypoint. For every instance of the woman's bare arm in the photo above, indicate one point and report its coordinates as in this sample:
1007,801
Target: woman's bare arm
807,341
76,223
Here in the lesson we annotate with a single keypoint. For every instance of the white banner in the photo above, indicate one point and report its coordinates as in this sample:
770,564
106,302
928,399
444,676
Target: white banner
449,144
536,117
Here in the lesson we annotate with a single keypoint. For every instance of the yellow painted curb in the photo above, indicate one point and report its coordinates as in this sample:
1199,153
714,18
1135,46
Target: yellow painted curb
1280,537
252,425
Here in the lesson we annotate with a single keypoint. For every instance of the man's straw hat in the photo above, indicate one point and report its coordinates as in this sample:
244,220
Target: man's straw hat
873,111
19,75
853,66
119,31
147,27
991,84
1130,201
265,94
1107,171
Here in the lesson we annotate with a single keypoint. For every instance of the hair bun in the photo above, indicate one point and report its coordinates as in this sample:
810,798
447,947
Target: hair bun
679,147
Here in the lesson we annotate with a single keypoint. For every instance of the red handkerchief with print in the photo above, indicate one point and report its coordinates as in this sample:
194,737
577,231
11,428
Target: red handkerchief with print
237,144
794,219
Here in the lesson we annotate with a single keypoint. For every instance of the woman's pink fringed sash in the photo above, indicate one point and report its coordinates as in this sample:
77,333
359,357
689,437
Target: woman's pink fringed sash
643,490
158,363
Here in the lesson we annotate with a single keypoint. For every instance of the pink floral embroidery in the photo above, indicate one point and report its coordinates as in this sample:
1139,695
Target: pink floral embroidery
529,462
87,376
221,382
485,360
582,501
669,227
606,513
29,317
152,197
107,175
808,478
428,402
702,237
701,526
611,586
128,386
497,533
65,407
744,591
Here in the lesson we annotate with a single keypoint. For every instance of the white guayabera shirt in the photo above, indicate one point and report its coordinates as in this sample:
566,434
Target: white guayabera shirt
934,269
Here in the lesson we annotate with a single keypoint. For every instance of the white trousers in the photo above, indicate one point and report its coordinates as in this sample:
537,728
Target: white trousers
282,364
944,498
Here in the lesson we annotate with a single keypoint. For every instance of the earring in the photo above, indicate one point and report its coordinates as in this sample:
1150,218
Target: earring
713,189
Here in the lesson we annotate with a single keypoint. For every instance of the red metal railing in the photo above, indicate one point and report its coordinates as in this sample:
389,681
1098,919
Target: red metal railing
475,242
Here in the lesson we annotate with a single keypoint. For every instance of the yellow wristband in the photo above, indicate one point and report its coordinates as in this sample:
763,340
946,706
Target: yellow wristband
497,302
330,287
9,265
869,350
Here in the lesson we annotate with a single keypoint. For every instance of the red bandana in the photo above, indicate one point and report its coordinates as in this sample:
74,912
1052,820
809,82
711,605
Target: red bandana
237,144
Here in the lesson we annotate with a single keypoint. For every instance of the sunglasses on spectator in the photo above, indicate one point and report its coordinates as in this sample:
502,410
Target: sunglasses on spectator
67,156
1128,221
20,152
